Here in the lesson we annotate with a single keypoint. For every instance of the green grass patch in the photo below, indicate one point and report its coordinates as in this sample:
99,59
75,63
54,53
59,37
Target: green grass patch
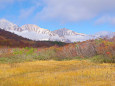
102,59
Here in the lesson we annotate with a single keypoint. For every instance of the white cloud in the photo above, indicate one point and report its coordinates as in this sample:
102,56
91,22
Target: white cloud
66,10
106,19
25,13
75,10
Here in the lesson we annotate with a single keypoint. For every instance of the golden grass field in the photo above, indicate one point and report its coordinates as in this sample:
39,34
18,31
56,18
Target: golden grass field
57,73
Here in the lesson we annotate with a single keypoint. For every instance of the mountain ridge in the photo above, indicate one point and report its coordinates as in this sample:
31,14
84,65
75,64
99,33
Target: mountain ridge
65,31
34,32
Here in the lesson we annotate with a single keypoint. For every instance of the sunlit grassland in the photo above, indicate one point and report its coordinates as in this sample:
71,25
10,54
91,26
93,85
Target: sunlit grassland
57,73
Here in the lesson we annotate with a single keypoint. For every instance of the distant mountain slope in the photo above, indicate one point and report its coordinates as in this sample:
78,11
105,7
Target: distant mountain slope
9,35
12,40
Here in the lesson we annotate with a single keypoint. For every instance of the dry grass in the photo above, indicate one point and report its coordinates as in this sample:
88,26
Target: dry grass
57,73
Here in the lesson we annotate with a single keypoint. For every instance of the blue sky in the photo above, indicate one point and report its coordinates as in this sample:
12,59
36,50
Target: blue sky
83,16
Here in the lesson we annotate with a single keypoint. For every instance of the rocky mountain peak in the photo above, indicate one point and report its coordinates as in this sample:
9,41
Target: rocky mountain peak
37,29
62,32
7,25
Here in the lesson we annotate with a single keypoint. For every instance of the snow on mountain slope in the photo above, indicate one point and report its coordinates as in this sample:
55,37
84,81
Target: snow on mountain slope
6,25
78,38
39,33
35,28
64,31
37,37
72,36
103,34
32,35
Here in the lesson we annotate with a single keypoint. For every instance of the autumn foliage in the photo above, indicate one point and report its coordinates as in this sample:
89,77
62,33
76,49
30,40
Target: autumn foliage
86,49
101,49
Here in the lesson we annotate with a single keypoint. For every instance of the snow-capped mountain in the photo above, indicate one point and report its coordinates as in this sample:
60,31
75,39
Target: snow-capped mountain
34,32
37,29
6,25
29,31
62,32
71,36
103,34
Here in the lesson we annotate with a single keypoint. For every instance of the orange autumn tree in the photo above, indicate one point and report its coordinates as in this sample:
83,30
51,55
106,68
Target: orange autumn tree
105,47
